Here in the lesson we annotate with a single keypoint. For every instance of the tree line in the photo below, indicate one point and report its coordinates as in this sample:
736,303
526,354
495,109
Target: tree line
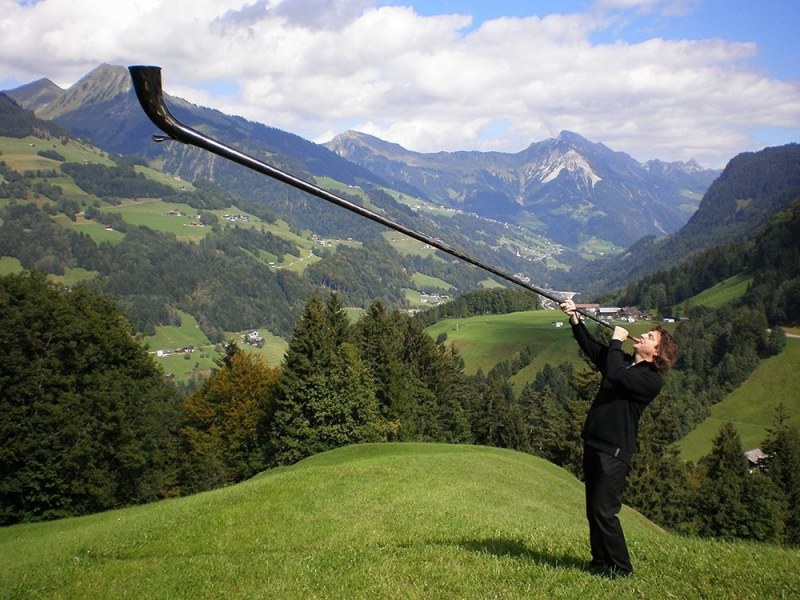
771,256
91,423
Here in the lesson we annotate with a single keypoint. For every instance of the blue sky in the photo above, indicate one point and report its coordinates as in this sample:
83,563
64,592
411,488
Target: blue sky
772,24
666,79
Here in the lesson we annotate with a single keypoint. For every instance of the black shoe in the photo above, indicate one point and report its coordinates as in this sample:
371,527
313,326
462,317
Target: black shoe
615,572
597,567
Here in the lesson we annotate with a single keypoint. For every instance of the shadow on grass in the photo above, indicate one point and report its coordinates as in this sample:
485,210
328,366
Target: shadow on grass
516,549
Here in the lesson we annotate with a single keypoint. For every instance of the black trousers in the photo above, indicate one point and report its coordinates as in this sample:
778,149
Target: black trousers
604,477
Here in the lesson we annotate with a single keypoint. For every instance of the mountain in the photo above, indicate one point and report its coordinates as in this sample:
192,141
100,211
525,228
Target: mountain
566,189
753,187
574,188
103,108
17,122
37,95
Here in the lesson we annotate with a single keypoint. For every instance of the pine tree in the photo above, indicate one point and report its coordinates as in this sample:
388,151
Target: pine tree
87,420
310,353
324,398
732,502
782,466
721,510
658,485
343,406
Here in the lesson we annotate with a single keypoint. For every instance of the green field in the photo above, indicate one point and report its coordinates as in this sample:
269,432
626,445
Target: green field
200,362
383,521
427,282
717,296
483,341
21,153
751,407
93,229
486,340
408,246
273,350
204,358
9,265
154,213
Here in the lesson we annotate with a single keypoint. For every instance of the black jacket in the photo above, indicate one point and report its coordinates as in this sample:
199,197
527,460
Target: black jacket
612,423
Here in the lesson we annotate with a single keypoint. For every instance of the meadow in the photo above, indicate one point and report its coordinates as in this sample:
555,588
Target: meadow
206,355
751,407
485,340
720,294
379,521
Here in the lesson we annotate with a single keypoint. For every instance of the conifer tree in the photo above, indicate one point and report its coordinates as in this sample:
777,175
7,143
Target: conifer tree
87,420
658,485
732,502
308,357
324,398
488,408
782,466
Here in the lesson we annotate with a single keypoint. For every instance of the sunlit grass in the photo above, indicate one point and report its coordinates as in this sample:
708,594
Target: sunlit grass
751,407
720,294
378,521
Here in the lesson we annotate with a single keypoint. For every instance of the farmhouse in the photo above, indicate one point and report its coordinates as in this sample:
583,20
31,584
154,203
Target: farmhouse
253,338
754,458
235,218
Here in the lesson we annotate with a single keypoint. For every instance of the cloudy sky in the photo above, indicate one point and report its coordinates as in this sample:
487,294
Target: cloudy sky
667,79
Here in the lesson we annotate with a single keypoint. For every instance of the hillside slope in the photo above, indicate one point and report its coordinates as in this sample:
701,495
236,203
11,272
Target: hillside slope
753,188
377,521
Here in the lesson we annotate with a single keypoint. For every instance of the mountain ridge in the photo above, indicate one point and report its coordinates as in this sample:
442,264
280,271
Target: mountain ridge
589,193
606,193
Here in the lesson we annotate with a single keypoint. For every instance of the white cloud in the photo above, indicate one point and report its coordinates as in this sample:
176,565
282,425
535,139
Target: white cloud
316,68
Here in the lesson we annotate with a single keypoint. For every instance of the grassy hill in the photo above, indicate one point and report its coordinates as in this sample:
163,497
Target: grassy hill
751,407
720,294
378,521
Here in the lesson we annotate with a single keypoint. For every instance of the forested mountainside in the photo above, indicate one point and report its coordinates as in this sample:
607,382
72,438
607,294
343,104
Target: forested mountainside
559,178
770,259
17,122
752,189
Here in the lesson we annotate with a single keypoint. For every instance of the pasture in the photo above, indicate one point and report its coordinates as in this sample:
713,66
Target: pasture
751,407
410,521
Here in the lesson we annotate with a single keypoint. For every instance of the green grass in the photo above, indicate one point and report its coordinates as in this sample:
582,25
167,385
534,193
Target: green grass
165,178
93,229
73,276
203,359
152,213
9,265
751,407
378,521
188,333
273,350
719,295
483,341
21,153
408,246
428,282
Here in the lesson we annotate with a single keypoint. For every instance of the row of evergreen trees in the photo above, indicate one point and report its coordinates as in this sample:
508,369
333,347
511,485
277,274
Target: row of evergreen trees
90,423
